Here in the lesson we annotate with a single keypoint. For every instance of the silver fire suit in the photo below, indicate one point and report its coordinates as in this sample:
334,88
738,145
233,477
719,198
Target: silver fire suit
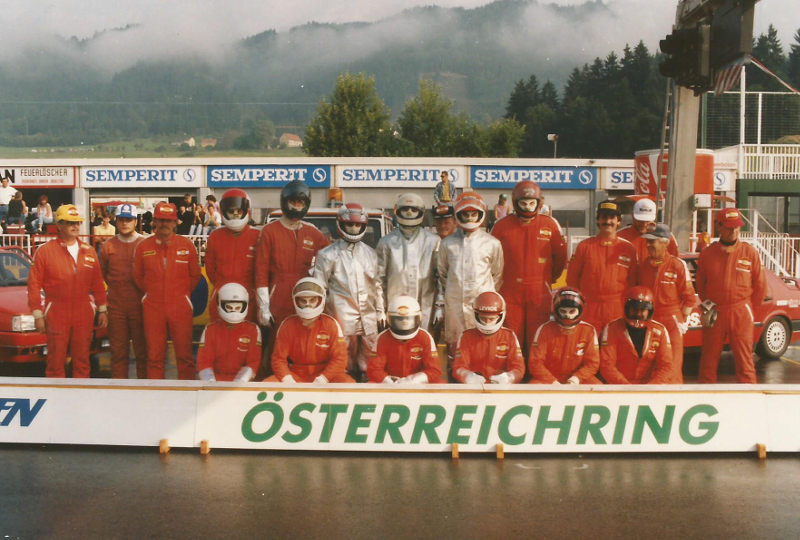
354,298
468,266
407,267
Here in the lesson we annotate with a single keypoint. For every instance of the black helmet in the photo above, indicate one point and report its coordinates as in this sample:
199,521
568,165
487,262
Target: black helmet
295,189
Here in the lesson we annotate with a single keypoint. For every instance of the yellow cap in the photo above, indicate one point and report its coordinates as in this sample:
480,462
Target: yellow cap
68,212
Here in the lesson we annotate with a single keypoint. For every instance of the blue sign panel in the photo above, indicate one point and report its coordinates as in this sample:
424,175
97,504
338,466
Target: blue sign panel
268,175
546,177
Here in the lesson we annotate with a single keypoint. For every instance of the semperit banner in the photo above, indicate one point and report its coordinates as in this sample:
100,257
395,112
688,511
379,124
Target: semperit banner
401,419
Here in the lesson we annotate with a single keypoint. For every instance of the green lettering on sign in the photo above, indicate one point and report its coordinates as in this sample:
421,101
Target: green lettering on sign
428,428
459,423
544,423
619,427
593,428
486,424
644,415
304,424
357,422
505,421
710,428
392,428
331,411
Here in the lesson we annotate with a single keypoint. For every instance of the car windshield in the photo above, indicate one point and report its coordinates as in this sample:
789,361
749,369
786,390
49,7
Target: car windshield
13,270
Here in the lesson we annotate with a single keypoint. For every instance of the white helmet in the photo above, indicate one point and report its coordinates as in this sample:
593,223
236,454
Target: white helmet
405,317
410,201
309,287
644,210
232,301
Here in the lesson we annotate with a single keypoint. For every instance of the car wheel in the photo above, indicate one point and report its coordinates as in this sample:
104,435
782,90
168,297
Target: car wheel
774,339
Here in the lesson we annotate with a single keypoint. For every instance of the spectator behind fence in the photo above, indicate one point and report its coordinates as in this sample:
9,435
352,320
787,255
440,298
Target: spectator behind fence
44,215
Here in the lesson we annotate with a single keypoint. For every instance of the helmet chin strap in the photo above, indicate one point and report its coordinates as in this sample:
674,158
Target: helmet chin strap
408,231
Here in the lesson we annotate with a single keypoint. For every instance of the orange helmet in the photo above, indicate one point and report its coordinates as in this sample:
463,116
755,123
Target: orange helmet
488,304
527,189
636,299
568,306
469,201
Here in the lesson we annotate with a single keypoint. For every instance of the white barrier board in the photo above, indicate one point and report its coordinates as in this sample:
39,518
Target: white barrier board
525,419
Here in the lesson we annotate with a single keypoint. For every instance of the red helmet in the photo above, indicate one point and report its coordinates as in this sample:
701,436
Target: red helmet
469,201
355,214
235,199
636,299
527,189
487,304
568,305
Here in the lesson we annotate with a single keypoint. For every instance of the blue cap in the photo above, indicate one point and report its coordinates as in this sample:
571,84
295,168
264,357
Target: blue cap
126,211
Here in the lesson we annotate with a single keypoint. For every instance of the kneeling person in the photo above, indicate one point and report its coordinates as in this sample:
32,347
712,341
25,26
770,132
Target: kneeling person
635,349
230,348
310,345
565,350
488,352
406,353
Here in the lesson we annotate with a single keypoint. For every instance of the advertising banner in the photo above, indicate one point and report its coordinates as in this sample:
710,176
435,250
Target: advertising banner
724,180
403,419
139,177
546,177
267,176
617,178
40,177
399,176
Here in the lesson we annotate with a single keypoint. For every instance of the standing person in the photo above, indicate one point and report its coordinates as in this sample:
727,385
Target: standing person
68,272
407,261
470,262
603,268
44,214
489,352
405,353
644,221
310,345
185,220
673,294
165,268
503,207
536,245
565,350
104,231
349,270
703,238
635,349
444,220
125,319
230,348
231,250
445,191
730,283
6,194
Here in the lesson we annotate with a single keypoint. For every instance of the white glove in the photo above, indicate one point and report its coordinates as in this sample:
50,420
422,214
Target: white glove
321,379
382,322
288,379
556,382
416,378
683,327
390,380
245,374
573,380
502,378
474,378
438,316
265,318
207,375
710,314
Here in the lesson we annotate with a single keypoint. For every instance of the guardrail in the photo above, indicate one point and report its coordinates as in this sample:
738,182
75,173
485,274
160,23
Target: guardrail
776,161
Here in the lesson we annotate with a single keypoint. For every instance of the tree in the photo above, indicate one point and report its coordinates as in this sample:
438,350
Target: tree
425,124
502,138
354,123
524,96
768,51
793,62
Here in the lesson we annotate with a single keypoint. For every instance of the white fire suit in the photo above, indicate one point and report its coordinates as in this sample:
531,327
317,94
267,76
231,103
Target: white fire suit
354,298
407,267
468,266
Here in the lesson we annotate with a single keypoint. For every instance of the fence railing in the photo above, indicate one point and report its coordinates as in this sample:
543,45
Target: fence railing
775,161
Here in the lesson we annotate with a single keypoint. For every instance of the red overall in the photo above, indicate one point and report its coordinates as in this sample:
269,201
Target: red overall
306,352
621,364
231,258
403,358
227,348
634,237
489,355
559,353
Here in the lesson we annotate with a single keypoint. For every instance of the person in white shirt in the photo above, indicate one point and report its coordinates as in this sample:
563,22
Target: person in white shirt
6,194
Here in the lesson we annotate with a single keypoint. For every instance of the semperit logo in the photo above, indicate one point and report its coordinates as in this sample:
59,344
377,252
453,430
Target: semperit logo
189,175
319,175
586,177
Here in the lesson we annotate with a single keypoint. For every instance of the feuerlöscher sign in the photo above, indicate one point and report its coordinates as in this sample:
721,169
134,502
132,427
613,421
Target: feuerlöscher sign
399,176
135,177
485,177
268,175
39,177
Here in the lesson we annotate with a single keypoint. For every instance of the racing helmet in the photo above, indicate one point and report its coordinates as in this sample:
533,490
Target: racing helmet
489,305
351,216
527,189
235,199
308,287
404,316
295,189
409,210
232,303
469,201
568,305
636,299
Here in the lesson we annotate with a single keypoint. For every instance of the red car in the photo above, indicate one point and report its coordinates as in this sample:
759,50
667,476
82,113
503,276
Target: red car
777,320
19,341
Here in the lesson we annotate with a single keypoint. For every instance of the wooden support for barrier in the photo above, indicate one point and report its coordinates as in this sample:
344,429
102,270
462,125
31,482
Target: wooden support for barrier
501,454
762,451
204,447
163,446
455,450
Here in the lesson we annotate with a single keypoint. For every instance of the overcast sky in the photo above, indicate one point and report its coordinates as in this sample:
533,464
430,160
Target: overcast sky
206,25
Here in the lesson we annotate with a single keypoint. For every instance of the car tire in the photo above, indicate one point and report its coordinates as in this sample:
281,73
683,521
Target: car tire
774,339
